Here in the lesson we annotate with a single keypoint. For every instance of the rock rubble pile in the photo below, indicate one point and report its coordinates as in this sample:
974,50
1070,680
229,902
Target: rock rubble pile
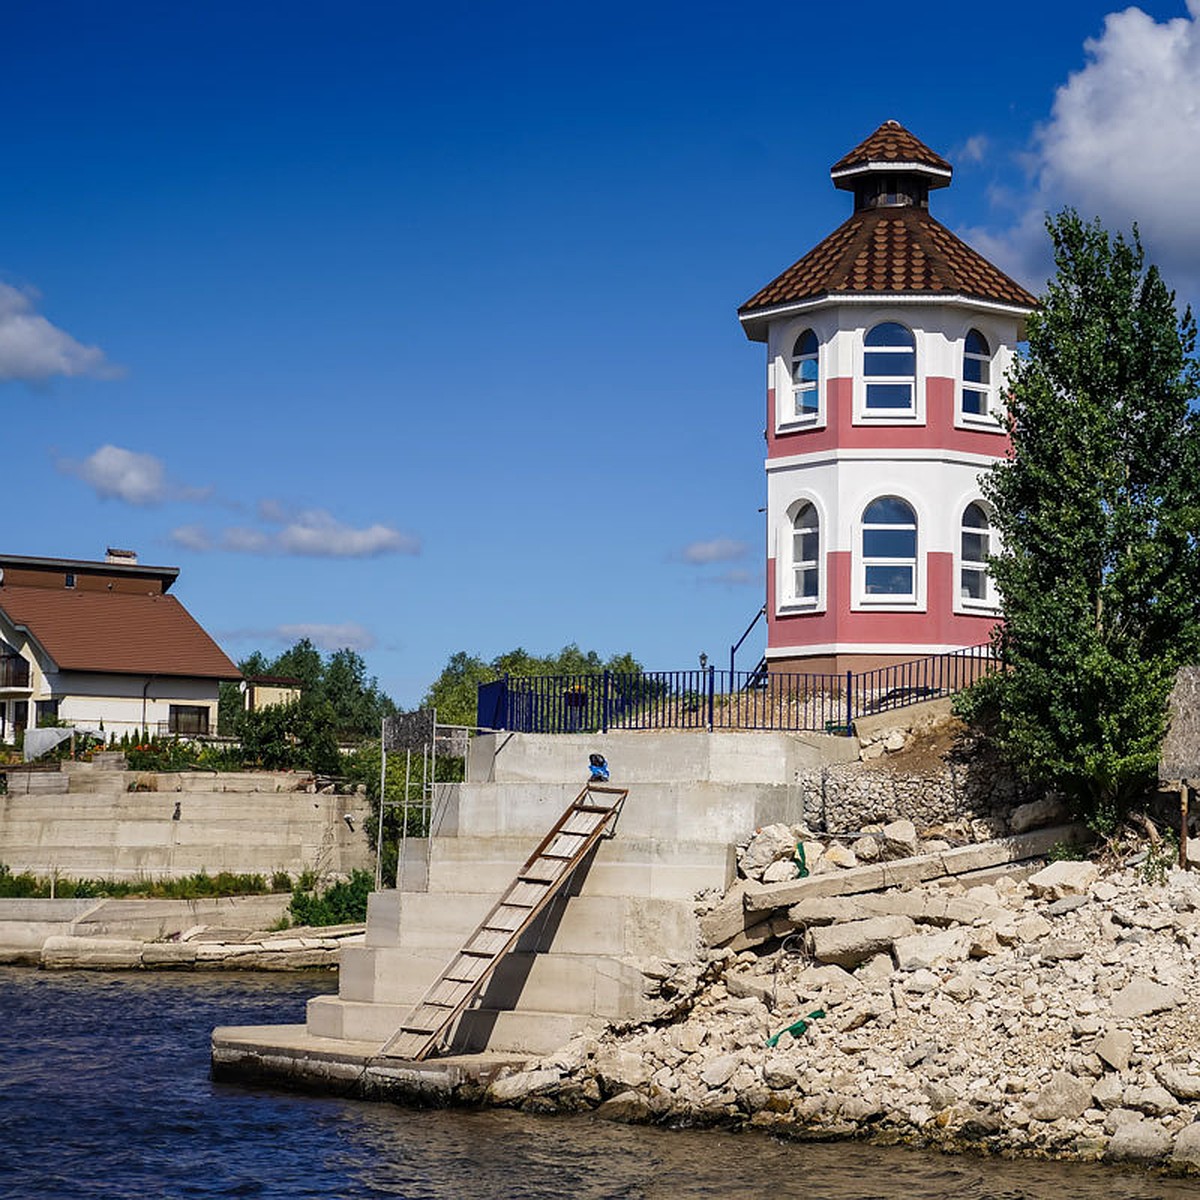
1053,1015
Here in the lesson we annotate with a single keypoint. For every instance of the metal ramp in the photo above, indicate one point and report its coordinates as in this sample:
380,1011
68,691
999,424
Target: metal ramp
545,872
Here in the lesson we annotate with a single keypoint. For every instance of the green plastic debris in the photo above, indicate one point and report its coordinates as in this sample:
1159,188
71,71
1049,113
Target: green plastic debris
797,1028
801,861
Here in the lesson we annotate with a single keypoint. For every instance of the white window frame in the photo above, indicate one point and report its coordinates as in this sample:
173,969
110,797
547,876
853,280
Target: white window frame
786,420
989,421
787,601
795,417
865,601
989,605
914,415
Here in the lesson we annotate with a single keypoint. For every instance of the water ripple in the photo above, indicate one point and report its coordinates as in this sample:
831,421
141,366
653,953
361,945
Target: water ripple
105,1092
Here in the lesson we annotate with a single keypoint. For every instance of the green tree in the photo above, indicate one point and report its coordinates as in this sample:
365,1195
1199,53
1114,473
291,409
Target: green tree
1097,511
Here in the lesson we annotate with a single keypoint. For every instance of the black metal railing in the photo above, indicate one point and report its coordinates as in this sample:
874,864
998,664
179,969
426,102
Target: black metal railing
712,699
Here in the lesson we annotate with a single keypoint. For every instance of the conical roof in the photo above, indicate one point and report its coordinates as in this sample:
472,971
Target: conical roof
891,146
889,249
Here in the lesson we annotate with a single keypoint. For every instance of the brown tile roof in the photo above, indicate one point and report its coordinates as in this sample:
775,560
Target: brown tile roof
891,142
114,631
891,250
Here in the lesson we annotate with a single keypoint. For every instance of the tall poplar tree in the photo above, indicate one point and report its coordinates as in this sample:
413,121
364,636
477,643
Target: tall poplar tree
1098,512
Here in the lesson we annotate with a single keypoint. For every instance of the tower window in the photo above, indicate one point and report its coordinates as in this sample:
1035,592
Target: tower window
70,579
977,375
974,550
890,369
805,377
889,549
806,548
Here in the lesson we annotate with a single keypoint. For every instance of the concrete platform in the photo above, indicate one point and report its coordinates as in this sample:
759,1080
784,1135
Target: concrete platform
290,1056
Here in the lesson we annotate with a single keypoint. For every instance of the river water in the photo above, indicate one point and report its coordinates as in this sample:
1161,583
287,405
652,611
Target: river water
105,1092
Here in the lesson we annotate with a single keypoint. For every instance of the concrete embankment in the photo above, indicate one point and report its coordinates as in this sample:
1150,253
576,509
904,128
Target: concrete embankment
225,932
91,822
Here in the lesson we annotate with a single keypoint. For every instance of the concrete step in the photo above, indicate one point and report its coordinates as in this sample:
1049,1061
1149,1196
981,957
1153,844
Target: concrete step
439,923
646,756
621,866
584,984
675,811
481,1029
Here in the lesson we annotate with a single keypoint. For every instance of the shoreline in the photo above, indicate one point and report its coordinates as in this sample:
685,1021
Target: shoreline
1052,1017
219,933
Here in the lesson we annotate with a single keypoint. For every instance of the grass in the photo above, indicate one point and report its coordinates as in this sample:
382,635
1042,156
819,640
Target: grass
200,886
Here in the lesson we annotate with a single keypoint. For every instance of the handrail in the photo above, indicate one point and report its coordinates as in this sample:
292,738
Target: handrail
758,616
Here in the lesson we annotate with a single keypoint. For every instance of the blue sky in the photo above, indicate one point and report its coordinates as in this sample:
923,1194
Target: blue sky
412,328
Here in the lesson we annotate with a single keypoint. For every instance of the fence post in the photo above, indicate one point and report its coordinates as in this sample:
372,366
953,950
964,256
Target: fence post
604,706
712,677
849,701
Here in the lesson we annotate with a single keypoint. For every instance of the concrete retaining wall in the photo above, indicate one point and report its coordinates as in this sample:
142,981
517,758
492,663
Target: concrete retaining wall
109,832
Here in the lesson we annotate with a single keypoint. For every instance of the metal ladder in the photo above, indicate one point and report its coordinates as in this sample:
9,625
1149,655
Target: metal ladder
543,875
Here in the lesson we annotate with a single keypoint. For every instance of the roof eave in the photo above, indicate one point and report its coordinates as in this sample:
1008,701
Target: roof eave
881,166
755,321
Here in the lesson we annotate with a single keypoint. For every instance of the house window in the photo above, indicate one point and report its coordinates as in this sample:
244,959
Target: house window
70,579
889,550
806,400
974,585
806,544
188,719
46,708
890,370
977,375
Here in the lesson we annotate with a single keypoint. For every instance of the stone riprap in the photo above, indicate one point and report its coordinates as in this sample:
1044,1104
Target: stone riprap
205,948
995,1017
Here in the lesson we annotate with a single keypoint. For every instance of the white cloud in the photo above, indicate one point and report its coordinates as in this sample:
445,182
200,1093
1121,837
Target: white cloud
974,149
314,533
191,537
32,349
715,551
1120,144
349,635
115,473
319,534
118,474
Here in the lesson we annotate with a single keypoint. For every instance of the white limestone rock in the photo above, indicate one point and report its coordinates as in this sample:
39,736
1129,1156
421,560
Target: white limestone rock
1143,997
1139,1141
852,942
1115,1048
1182,1084
781,871
1186,1152
768,845
1038,814
923,951
1063,1096
900,840
1061,879
840,856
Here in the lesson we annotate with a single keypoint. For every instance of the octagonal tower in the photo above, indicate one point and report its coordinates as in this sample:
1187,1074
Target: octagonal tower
886,348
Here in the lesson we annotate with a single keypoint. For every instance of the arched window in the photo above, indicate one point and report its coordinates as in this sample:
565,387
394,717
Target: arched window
889,549
890,369
975,548
977,375
806,549
805,377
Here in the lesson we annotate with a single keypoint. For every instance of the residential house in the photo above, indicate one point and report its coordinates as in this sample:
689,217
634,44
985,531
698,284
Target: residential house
104,644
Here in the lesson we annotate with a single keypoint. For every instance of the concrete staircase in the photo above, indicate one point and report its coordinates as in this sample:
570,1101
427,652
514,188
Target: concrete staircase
595,953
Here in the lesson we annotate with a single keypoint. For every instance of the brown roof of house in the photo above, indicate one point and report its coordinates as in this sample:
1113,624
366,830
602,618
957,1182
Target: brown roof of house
890,250
891,143
116,631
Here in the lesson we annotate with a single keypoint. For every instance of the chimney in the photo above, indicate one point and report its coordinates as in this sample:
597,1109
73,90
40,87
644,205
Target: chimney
124,558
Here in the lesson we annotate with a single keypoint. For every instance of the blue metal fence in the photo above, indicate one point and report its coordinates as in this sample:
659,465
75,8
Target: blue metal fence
712,699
